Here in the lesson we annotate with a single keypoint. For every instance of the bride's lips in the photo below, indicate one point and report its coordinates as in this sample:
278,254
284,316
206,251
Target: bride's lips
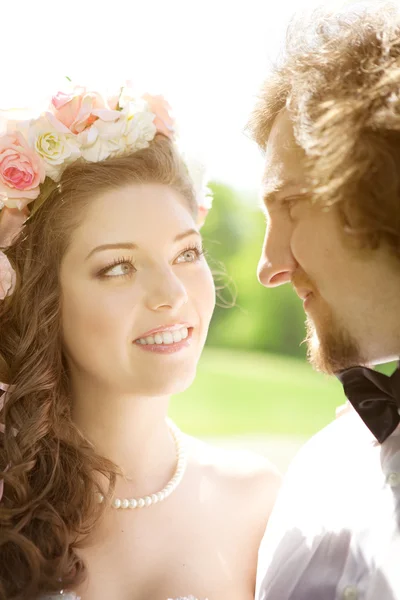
172,327
166,348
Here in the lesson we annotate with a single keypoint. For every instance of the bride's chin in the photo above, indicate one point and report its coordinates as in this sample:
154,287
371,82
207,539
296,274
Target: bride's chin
164,385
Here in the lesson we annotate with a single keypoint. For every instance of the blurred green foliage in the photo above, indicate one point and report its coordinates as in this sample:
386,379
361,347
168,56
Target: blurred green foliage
261,319
242,392
250,379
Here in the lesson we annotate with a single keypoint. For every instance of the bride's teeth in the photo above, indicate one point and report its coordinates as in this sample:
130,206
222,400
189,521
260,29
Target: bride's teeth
177,336
167,337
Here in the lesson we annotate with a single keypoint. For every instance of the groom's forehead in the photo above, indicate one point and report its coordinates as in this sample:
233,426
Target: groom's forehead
283,175
284,158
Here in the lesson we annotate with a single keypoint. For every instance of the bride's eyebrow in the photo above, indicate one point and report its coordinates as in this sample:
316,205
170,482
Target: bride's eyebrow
132,246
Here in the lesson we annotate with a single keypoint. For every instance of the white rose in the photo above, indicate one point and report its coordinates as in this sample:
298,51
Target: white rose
128,95
131,131
140,129
103,139
198,175
54,143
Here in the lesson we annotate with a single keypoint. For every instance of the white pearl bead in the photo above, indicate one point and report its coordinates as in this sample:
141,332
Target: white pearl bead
171,485
100,498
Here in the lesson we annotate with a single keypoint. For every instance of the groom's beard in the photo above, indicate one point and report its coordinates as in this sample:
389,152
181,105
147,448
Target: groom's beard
330,346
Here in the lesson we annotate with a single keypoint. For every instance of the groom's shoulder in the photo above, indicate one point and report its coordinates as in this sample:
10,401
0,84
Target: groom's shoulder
346,431
338,451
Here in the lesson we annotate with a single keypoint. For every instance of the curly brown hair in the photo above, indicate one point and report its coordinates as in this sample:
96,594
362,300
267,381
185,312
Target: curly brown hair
339,78
51,472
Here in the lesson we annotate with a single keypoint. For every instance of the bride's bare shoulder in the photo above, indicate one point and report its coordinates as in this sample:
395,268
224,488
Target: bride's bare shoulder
240,472
235,463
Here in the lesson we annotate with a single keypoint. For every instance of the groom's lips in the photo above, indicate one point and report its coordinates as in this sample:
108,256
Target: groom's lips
302,293
307,300
306,295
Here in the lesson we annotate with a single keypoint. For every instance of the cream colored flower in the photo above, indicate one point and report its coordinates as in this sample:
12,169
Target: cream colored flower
54,143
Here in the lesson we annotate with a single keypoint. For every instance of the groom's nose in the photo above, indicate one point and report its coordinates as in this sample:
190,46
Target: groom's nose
277,263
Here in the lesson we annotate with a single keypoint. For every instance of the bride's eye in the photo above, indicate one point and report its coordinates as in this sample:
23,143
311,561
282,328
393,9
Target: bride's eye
190,255
121,267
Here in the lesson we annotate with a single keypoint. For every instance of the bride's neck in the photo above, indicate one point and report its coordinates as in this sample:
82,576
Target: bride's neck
132,431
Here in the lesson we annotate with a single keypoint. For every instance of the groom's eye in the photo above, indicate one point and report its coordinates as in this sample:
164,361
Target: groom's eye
288,203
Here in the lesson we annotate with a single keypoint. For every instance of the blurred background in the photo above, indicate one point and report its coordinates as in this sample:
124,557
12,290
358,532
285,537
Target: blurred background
254,387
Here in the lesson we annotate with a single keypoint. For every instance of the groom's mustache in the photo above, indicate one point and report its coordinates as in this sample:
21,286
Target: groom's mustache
302,284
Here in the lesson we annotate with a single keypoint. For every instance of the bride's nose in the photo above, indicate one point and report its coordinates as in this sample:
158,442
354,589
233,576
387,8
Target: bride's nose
165,291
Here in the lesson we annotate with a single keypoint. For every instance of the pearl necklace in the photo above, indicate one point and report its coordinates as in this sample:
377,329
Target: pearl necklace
171,485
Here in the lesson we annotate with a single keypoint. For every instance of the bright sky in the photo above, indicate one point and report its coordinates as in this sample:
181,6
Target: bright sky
207,57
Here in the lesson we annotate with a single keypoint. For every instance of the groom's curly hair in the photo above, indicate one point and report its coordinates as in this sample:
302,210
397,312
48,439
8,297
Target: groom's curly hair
339,78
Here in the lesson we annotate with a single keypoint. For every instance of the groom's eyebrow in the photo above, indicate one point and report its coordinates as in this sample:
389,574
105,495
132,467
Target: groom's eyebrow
272,189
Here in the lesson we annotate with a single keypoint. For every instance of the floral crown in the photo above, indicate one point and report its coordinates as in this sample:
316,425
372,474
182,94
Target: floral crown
79,124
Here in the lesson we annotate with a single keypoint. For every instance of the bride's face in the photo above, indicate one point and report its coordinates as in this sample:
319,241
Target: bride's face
134,265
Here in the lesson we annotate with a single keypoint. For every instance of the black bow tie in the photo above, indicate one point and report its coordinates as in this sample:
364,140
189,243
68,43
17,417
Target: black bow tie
376,398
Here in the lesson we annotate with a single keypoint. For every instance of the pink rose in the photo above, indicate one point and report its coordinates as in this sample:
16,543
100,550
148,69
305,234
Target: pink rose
21,171
77,110
164,121
201,216
7,277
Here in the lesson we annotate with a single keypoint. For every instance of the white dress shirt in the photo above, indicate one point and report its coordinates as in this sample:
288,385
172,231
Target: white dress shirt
335,530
